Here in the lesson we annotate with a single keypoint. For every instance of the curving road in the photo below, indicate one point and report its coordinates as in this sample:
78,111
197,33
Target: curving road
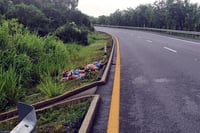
160,83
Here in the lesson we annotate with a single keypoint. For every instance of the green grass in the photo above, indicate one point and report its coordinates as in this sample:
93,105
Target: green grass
63,119
93,52
10,89
50,88
33,64
85,55
30,71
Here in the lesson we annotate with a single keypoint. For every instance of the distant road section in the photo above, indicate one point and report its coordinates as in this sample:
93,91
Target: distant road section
160,83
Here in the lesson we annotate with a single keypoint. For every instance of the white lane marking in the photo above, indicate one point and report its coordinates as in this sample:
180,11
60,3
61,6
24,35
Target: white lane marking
149,41
170,49
177,39
161,80
184,40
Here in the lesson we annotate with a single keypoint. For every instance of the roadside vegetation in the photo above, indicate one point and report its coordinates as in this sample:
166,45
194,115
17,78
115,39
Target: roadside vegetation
39,39
164,14
61,119
31,66
49,17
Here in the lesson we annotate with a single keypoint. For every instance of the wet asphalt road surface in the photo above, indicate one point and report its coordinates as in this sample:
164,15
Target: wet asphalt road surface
160,83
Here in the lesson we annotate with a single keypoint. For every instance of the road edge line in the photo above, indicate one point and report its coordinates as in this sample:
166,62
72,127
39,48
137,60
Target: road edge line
113,121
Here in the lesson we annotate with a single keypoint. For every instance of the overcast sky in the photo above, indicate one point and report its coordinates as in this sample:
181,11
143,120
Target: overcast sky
105,7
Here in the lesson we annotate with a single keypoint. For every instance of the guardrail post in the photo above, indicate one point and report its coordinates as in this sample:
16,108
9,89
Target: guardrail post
27,118
105,51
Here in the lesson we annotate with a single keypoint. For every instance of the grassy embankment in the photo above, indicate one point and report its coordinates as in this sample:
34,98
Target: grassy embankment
31,66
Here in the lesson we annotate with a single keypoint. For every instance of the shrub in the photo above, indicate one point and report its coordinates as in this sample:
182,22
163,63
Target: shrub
31,45
29,61
7,58
4,5
54,58
10,86
23,66
70,32
20,62
4,35
50,88
3,101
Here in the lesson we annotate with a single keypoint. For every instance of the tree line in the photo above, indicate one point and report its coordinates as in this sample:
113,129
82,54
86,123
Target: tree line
165,14
49,17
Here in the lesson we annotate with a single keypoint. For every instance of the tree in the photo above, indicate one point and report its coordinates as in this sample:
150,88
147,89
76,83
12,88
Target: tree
55,17
116,18
30,16
167,14
129,17
144,15
4,6
103,20
70,32
44,16
67,4
79,18
192,18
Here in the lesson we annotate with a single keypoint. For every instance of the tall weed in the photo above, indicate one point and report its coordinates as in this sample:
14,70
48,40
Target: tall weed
3,101
29,61
4,35
10,87
23,67
51,88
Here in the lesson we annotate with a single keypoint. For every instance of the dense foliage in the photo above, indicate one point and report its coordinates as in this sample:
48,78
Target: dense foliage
27,59
31,66
38,40
167,14
46,16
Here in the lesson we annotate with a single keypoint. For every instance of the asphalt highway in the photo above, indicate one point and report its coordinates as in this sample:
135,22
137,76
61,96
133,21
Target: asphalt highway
160,82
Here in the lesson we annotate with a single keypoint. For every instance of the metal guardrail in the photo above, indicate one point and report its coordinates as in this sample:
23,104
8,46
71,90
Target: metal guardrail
27,118
192,33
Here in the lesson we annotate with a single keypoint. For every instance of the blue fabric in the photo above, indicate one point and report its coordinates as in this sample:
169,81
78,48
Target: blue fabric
75,72
97,64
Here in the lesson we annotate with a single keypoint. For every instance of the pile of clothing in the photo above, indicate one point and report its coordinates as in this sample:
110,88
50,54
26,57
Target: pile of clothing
81,73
